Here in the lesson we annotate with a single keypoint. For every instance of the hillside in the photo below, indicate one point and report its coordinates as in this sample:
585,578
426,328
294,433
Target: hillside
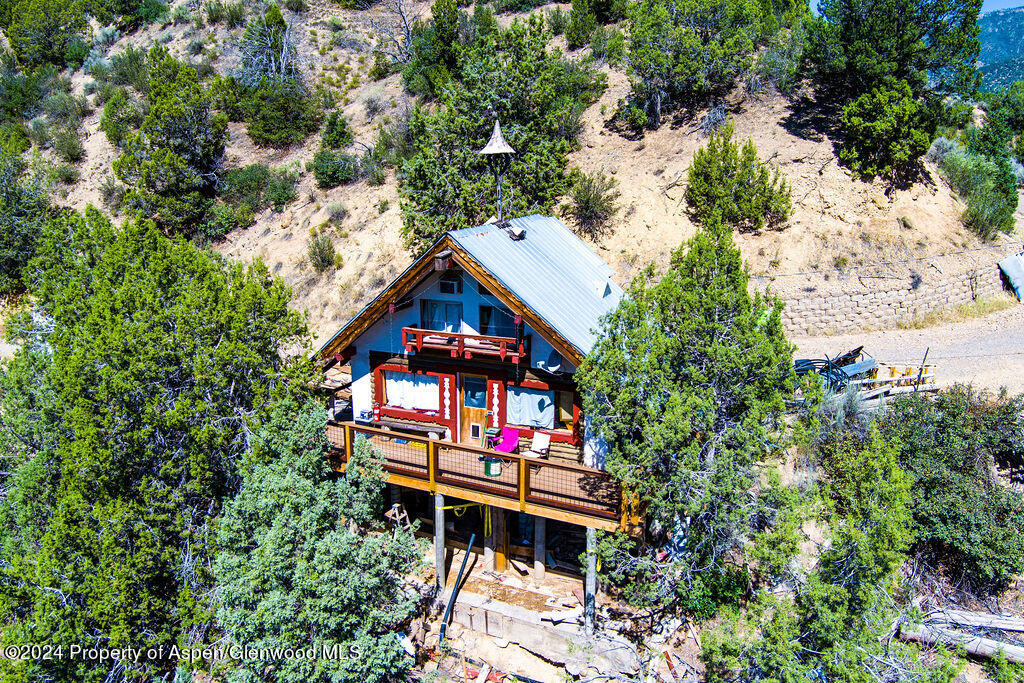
1001,60
838,221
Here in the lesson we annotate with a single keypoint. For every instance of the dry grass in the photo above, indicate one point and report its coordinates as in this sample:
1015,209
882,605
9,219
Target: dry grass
975,309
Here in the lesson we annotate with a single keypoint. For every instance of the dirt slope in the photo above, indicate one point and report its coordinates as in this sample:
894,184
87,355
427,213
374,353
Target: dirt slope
837,219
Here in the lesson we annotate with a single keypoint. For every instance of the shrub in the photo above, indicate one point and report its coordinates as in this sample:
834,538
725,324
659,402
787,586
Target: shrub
224,218
13,138
296,5
484,20
257,186
334,168
987,186
373,107
65,107
129,67
940,147
337,133
65,174
120,117
234,14
215,12
730,181
580,28
887,132
67,143
594,200
278,115
599,43
39,131
321,253
557,21
963,515
112,193
615,51
280,189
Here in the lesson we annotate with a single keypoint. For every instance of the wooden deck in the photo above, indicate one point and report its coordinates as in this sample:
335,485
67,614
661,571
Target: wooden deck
545,488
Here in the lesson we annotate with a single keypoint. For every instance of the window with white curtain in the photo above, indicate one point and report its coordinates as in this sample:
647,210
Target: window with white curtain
411,391
530,407
441,316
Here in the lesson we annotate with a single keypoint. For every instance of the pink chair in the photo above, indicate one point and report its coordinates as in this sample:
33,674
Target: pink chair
509,440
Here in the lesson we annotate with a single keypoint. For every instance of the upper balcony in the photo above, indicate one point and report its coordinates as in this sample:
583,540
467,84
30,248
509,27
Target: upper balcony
466,345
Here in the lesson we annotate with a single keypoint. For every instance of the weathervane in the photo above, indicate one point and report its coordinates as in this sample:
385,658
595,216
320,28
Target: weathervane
498,154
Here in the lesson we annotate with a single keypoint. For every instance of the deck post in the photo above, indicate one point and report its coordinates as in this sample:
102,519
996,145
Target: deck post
498,521
540,547
439,549
496,542
590,590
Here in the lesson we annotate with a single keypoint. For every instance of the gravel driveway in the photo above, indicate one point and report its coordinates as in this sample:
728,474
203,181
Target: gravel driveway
987,351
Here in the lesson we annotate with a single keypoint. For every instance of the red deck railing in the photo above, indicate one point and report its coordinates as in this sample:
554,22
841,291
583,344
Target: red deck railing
465,345
539,486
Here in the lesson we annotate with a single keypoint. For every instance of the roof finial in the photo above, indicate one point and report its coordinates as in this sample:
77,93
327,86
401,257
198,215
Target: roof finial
498,154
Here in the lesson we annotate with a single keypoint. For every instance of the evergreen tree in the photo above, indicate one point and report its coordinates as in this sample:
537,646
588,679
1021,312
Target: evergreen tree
687,385
860,45
582,23
130,402
538,97
48,31
730,181
171,164
681,50
888,132
304,561
23,204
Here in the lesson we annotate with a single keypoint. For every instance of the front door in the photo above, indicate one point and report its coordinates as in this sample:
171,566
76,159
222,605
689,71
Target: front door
472,409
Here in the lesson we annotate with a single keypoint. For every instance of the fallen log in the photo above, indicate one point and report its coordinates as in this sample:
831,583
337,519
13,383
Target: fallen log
972,645
959,617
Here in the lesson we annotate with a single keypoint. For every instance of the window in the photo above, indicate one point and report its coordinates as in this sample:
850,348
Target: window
441,316
530,407
411,391
497,322
563,410
451,284
474,392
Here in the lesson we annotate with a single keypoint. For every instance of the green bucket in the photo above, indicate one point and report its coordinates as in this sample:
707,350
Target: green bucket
492,467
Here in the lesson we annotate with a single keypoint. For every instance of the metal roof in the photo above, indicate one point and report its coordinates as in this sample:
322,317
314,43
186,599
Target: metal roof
551,270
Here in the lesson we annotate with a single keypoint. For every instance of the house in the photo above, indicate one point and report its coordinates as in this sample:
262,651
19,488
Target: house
462,374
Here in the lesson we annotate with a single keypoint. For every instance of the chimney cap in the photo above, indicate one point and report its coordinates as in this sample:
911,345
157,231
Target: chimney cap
497,143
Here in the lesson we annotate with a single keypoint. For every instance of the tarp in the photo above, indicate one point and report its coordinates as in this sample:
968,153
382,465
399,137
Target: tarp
1013,268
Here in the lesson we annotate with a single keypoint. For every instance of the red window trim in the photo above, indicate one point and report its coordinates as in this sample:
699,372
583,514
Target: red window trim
570,436
436,417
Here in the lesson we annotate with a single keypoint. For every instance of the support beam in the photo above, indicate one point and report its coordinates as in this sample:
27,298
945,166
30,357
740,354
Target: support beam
540,547
396,494
496,542
439,549
590,590
499,521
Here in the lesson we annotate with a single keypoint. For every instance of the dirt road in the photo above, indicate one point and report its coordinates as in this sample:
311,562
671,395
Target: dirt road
987,351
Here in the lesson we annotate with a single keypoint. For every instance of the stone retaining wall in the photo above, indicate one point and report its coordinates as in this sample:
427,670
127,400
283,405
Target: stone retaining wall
873,303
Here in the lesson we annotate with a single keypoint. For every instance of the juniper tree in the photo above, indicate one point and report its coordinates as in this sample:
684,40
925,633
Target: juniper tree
171,165
538,96
687,385
23,204
129,405
304,561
